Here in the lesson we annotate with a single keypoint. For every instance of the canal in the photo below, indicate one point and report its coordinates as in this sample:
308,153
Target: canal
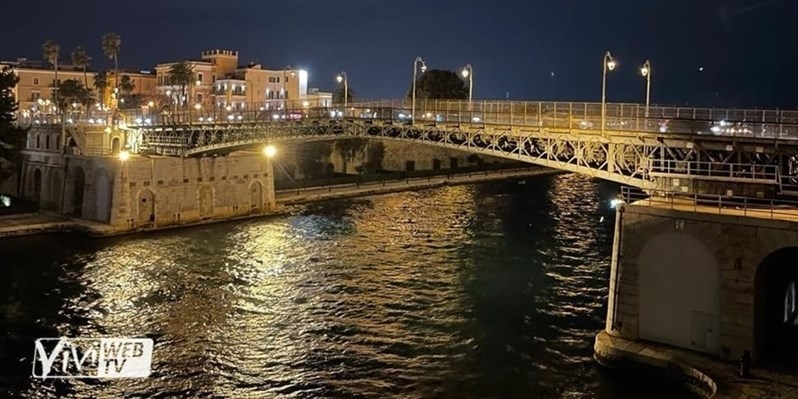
493,290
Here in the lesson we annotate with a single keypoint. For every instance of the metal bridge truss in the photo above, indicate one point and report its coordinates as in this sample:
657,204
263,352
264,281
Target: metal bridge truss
648,161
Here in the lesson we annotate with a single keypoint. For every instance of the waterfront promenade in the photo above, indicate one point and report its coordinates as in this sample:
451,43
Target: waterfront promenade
47,222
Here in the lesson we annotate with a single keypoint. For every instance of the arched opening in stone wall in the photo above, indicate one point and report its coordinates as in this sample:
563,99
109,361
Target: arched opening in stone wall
256,197
78,189
103,198
116,145
47,142
679,293
146,205
55,184
206,201
36,195
776,310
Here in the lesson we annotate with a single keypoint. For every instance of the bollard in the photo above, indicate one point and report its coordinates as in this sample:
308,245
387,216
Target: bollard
745,364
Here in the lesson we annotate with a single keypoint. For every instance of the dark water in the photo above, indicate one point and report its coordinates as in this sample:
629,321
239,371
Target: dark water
487,291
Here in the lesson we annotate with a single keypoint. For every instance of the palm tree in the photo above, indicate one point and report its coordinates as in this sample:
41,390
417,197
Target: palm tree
181,74
81,59
112,43
101,83
126,85
50,50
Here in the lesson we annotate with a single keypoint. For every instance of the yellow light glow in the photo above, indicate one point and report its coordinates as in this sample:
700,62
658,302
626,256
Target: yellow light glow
465,73
197,106
269,151
611,65
124,155
339,78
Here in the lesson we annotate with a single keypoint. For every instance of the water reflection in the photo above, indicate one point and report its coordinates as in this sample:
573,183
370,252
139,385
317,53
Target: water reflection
494,290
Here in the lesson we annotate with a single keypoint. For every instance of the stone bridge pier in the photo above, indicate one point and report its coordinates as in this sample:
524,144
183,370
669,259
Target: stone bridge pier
716,284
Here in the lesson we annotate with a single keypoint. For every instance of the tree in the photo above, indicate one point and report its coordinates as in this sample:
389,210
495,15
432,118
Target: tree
12,137
112,43
438,84
312,153
126,85
338,95
73,91
348,149
50,50
101,84
81,59
181,74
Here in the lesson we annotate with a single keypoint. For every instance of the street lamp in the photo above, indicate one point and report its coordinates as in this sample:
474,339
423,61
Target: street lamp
609,65
417,61
645,70
269,151
468,73
345,79
285,91
124,155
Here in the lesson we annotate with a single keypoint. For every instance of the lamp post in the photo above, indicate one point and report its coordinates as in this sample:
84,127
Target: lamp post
417,61
345,79
285,91
645,70
468,73
609,65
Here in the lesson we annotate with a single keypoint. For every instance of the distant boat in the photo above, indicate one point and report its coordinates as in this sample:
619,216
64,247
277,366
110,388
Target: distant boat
522,182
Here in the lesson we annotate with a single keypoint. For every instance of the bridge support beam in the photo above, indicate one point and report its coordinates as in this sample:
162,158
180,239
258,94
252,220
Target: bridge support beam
715,284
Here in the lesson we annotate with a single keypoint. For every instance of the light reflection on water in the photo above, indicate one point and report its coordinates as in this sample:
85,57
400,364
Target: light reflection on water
494,290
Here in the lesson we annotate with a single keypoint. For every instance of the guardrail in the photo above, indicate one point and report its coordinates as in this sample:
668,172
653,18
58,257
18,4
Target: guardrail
555,115
774,209
768,174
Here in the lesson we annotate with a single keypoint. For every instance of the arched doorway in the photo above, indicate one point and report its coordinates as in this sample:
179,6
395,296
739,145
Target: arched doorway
115,145
679,293
256,197
55,186
146,203
37,186
78,188
776,310
103,198
206,202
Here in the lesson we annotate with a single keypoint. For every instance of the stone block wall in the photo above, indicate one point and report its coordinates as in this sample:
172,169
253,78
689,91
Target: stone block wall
692,248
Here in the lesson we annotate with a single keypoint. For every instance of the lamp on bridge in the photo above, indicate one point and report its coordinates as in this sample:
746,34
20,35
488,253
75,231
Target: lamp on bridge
468,73
609,65
645,70
342,78
124,155
270,151
416,62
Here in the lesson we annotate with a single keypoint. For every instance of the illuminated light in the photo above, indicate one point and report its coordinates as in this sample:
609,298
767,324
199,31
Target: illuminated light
91,121
240,117
138,121
476,119
339,78
332,114
615,203
428,115
275,116
201,119
108,130
611,65
199,82
715,129
269,151
148,121
423,68
230,117
305,104
151,104
124,155
228,108
197,106
465,72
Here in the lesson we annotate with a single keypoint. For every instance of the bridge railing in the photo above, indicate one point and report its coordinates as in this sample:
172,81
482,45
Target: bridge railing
715,204
579,117
768,174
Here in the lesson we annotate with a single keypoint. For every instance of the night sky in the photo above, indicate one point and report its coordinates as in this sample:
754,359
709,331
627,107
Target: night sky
533,49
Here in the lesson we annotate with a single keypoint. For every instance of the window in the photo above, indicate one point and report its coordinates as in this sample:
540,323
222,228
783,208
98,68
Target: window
199,77
199,97
214,78
35,81
35,96
286,79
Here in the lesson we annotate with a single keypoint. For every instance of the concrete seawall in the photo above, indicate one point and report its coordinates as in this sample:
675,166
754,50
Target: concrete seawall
49,222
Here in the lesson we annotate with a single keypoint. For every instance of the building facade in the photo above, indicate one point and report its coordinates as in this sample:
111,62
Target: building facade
221,83
144,85
36,87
